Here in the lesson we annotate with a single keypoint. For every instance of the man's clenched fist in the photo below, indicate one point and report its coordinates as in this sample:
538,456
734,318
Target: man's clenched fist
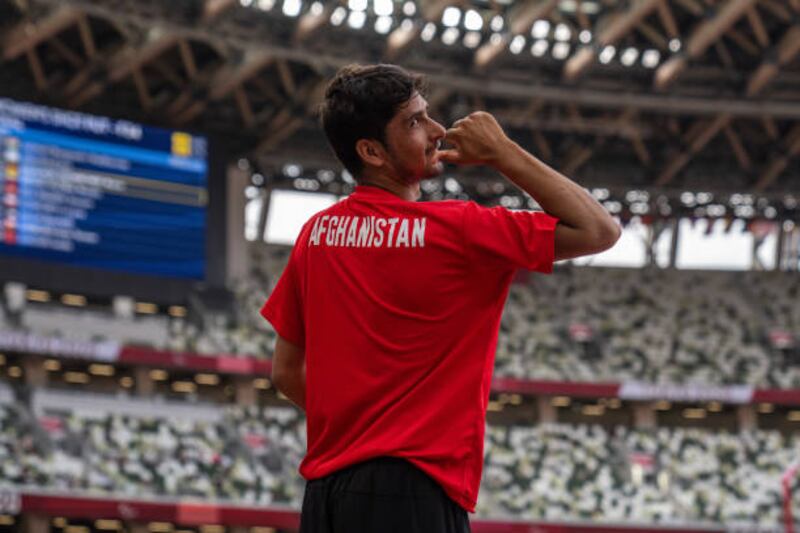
477,139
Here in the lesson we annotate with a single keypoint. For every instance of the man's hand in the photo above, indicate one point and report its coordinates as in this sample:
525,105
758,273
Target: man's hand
477,139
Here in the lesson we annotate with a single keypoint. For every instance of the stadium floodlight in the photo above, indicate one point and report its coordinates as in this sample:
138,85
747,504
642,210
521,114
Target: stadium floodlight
674,45
704,197
257,179
636,195
428,32
452,185
357,19
292,170
338,16
585,36
517,44
497,23
383,24
496,39
473,21
357,5
607,54
326,175
429,186
383,8
561,50
562,32
451,16
246,3
716,210
450,36
590,8
266,5
407,25
650,58
568,6
292,8
539,47
540,29
472,39
409,9
628,57
316,9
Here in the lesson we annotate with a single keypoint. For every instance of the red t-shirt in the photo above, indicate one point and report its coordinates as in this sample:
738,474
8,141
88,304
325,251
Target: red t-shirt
397,305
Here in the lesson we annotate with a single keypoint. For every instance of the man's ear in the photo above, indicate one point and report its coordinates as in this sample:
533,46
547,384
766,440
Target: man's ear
371,152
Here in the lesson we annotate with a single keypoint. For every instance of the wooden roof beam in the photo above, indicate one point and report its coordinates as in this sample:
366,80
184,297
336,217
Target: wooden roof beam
745,162
187,58
613,27
35,64
27,35
692,6
709,130
120,65
286,78
87,37
785,51
668,20
702,37
227,80
67,53
285,123
520,18
778,9
158,41
401,38
778,164
577,156
142,90
213,9
311,23
757,25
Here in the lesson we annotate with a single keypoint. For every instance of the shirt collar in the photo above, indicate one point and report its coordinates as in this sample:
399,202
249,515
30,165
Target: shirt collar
371,192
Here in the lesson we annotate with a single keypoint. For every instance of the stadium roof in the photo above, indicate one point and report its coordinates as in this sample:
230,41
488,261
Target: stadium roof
699,95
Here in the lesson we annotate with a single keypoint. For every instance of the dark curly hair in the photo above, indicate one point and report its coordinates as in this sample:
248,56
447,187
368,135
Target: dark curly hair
359,103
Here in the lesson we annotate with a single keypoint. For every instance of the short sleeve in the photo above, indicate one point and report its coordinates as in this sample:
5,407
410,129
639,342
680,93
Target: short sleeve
500,238
284,307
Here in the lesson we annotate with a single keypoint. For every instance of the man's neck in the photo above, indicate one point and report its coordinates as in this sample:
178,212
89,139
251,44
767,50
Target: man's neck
407,191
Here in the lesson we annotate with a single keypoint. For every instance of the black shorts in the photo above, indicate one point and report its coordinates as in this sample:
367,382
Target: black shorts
382,495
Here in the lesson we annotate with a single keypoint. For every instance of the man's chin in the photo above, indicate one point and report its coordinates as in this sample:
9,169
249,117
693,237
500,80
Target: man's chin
434,170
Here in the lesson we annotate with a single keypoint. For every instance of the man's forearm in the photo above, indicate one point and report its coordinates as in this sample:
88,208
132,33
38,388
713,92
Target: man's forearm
293,386
556,194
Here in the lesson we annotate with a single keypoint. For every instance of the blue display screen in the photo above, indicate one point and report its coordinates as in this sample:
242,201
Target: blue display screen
96,192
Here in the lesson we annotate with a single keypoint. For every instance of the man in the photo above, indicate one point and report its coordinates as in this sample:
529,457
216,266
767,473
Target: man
388,310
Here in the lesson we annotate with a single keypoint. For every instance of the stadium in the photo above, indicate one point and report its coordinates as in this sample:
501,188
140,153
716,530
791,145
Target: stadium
157,162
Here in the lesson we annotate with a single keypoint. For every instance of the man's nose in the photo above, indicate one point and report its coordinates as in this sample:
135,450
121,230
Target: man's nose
439,131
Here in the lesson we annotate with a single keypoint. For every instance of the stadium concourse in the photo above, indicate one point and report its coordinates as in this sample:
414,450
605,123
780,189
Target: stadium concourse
157,159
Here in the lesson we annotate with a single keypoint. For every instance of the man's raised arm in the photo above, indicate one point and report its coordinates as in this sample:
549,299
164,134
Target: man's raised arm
584,228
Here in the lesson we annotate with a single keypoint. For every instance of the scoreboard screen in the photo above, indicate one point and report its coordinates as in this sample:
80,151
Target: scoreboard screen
91,191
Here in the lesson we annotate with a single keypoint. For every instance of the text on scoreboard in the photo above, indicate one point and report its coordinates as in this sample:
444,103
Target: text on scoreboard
97,192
